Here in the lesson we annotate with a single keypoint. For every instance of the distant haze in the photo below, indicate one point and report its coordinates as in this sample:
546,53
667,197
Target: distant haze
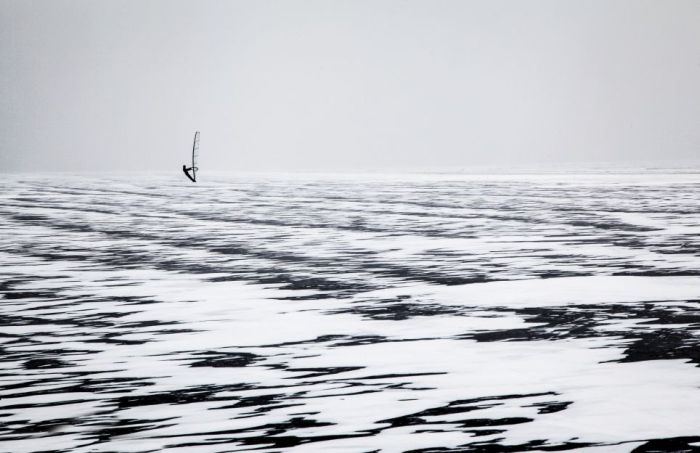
346,85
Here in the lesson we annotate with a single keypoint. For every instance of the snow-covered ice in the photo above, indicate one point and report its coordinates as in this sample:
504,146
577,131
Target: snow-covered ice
322,313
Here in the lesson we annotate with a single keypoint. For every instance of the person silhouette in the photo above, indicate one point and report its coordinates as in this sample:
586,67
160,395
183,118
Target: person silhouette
186,170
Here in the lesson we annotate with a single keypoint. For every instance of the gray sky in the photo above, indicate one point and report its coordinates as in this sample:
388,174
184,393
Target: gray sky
346,85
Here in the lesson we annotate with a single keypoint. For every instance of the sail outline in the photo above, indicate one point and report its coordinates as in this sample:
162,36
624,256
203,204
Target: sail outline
195,155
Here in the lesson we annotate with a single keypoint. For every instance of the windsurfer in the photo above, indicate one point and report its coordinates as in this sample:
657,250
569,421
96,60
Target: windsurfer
186,170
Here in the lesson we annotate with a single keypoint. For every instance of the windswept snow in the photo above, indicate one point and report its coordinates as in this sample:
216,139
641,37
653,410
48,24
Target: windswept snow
318,313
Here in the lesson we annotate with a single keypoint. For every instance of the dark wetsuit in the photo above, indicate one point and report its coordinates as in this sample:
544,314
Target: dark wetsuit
187,173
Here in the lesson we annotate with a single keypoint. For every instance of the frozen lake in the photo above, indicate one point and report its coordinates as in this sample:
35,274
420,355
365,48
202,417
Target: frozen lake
350,314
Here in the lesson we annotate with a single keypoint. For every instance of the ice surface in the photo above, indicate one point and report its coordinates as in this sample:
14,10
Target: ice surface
352,314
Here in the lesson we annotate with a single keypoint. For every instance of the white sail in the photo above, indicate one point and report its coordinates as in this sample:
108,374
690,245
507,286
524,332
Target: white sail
195,155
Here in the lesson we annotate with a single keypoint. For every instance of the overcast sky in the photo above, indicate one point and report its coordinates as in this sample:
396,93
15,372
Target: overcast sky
346,85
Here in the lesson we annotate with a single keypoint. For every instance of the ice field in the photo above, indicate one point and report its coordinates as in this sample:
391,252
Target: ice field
339,313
